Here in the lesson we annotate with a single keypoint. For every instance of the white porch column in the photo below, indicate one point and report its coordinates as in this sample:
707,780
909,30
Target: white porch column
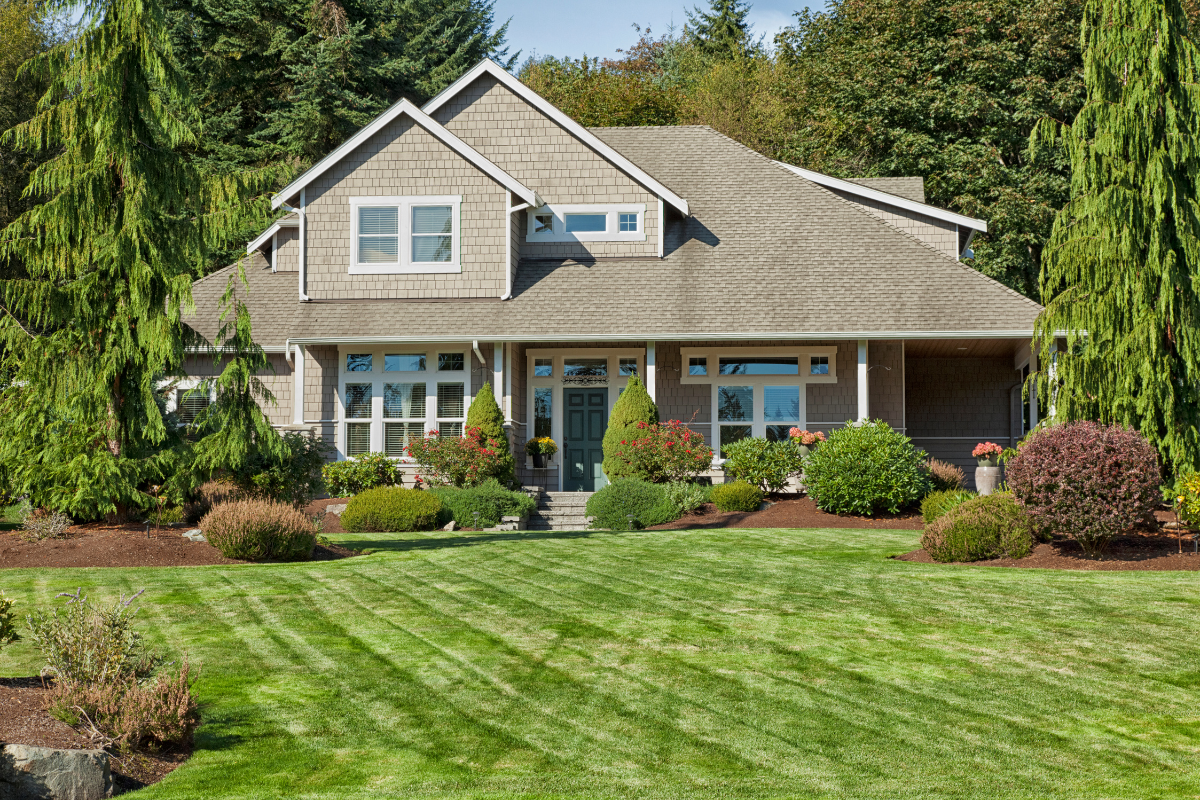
508,368
298,390
649,369
1033,403
498,374
864,406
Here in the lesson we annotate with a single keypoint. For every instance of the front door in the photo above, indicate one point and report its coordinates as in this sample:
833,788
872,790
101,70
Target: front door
584,422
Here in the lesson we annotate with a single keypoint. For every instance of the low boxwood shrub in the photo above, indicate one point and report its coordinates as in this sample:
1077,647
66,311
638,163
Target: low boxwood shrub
390,509
647,502
944,476
994,526
936,504
736,496
1086,481
260,530
864,469
765,464
489,499
356,475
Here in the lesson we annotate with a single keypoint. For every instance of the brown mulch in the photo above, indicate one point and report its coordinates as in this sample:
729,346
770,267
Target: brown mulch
332,522
1148,550
104,545
789,512
24,720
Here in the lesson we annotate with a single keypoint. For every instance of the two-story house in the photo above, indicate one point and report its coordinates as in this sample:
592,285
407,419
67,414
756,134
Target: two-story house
489,237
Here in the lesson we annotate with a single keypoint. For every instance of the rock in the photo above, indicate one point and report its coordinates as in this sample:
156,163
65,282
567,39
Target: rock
42,773
336,510
451,526
1175,526
194,535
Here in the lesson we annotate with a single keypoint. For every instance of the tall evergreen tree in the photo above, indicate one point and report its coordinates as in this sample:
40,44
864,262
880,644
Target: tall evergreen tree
1121,271
722,31
126,221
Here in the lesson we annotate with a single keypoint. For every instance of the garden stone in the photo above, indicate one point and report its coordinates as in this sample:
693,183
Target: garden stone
986,480
42,773
450,526
195,535
336,510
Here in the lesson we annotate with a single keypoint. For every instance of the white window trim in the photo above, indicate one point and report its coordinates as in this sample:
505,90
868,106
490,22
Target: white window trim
377,377
405,265
612,232
176,388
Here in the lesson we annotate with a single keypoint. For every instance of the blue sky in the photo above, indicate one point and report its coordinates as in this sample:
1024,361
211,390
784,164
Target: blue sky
572,28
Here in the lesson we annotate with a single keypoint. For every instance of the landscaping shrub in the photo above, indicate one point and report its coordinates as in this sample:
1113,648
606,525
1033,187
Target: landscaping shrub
647,502
945,477
994,526
633,406
489,499
260,530
736,496
91,643
864,469
43,523
484,413
359,473
1186,499
293,477
663,452
8,622
390,509
686,496
208,495
1087,481
938,503
460,461
764,464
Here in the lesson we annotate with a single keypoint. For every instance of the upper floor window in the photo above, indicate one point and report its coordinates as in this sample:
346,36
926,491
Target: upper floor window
588,223
405,234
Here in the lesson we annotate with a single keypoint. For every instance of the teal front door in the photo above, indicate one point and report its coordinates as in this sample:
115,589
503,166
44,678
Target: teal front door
585,420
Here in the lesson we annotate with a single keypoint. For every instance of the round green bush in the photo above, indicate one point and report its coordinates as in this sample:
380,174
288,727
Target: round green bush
489,499
389,509
736,496
936,504
260,530
865,469
647,502
994,526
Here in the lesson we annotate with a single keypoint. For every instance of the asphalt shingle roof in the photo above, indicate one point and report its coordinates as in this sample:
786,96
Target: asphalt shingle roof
271,297
765,253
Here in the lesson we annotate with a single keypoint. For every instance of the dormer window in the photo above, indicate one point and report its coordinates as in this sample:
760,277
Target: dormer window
395,235
588,223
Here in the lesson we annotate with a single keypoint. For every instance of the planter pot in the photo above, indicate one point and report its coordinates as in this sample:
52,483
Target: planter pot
539,460
806,450
988,462
986,479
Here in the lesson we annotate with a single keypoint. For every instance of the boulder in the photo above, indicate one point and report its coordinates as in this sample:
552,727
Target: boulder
336,509
451,526
42,773
194,535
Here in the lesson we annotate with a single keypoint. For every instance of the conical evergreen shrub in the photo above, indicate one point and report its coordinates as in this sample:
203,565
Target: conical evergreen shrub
485,414
633,406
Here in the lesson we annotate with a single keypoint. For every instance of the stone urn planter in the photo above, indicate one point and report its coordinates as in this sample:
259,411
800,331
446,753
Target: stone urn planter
987,478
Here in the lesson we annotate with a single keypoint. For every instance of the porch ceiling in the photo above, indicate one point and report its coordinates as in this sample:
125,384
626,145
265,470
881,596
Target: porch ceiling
961,348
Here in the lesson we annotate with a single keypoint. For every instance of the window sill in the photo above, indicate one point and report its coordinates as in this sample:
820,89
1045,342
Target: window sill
405,269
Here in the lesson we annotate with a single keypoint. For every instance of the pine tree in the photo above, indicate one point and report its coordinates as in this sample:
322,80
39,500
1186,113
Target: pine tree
126,223
633,406
1121,269
721,32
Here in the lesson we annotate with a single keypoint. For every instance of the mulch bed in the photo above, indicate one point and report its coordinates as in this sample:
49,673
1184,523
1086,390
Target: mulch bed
102,545
24,720
787,511
1138,551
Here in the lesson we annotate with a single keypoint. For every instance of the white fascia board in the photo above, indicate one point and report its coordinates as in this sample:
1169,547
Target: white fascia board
286,222
574,128
886,198
669,337
404,107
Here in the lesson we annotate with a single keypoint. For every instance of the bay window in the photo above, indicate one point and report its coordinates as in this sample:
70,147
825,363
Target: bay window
394,235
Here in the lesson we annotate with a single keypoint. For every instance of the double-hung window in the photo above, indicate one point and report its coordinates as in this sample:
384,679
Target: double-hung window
393,235
588,223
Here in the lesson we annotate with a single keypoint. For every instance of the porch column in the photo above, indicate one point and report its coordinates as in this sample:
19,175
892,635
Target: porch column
650,369
498,374
508,369
864,409
1033,403
298,389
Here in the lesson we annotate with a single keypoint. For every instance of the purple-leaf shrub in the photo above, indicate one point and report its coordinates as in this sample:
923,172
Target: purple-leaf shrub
1087,481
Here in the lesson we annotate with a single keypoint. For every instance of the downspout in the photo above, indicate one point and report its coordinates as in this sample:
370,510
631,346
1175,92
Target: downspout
303,247
478,354
508,275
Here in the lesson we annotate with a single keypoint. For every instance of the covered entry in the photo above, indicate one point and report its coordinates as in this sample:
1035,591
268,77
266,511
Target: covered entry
586,419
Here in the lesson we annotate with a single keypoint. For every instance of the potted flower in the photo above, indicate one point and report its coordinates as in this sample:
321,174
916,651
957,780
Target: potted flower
542,448
806,441
988,454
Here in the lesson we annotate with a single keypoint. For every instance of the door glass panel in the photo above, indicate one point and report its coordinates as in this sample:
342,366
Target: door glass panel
781,403
404,400
450,400
543,399
358,438
759,365
590,367
731,434
358,401
404,362
735,403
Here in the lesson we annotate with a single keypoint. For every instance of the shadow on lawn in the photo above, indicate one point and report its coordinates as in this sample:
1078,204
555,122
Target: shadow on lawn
439,542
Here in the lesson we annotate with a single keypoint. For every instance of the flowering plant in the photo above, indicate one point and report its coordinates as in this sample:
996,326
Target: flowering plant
807,438
1187,502
666,451
987,450
541,445
461,461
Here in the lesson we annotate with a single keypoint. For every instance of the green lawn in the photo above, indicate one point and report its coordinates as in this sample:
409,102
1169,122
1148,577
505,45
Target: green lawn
725,663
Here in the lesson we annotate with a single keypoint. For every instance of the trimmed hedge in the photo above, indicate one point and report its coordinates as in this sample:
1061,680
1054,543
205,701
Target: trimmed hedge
936,504
864,469
736,496
994,526
391,509
260,530
647,502
489,498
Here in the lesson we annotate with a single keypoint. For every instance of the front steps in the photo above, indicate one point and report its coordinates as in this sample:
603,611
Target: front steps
560,511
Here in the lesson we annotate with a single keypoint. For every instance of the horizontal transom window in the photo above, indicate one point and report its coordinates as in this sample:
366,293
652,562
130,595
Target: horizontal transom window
588,223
